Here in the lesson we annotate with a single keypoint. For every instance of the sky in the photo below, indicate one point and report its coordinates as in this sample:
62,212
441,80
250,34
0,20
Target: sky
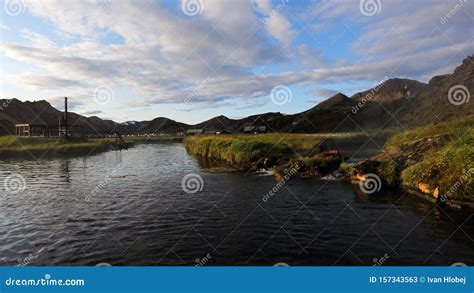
191,60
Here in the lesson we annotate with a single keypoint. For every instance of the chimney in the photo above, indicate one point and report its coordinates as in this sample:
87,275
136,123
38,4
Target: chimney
65,118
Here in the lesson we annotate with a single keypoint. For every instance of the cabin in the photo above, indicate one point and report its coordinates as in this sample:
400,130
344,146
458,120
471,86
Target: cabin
45,130
62,129
255,129
217,132
197,131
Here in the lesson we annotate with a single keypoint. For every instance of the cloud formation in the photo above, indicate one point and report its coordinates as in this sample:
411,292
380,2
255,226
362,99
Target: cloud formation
242,49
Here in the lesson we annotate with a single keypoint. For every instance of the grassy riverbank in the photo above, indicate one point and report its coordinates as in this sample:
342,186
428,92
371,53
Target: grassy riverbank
12,146
264,150
436,161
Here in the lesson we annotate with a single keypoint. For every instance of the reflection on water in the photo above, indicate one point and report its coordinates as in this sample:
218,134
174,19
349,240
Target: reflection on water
129,208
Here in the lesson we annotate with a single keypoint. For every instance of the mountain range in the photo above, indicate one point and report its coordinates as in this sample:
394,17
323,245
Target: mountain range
395,103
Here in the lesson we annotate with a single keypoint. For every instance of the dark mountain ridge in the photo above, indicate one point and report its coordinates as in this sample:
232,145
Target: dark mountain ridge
394,103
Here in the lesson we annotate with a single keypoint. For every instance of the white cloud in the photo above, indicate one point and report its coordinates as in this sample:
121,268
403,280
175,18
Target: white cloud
162,56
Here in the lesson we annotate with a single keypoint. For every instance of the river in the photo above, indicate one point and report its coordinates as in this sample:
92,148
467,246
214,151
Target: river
129,208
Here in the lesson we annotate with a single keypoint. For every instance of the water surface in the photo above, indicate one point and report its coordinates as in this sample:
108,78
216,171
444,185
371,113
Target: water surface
129,208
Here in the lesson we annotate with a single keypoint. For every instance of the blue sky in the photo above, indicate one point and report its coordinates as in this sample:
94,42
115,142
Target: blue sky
191,60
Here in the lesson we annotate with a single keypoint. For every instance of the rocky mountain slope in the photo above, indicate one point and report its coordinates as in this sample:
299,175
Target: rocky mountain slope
395,103
41,112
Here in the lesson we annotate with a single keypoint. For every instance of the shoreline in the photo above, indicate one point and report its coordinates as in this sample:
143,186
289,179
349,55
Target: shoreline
429,162
28,147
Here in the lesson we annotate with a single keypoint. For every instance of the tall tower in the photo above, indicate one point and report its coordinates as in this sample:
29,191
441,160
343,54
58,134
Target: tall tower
66,133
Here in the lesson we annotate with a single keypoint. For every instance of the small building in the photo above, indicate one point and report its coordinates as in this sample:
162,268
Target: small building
225,131
255,129
62,129
44,130
196,131
41,130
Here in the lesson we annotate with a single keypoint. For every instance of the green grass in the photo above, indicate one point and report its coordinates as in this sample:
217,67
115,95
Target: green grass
461,130
11,145
251,149
17,146
447,156
437,155
303,142
248,149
